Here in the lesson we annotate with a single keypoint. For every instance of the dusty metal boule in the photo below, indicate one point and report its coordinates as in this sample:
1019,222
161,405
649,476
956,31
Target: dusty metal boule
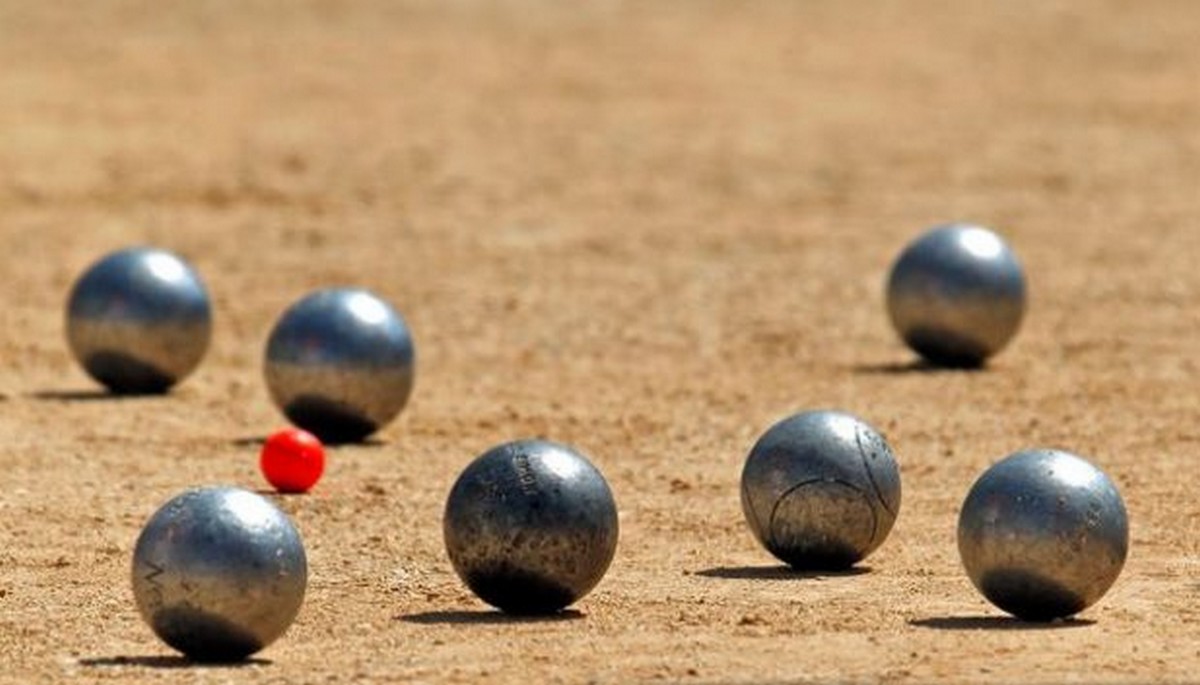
340,364
1043,534
530,526
139,320
219,573
957,295
821,490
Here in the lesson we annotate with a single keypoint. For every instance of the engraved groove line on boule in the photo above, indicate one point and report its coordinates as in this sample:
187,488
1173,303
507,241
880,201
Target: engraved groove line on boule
783,496
871,476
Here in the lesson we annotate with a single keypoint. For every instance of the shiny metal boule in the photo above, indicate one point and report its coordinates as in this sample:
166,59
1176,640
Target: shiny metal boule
821,490
340,364
139,320
957,295
1043,534
219,573
530,526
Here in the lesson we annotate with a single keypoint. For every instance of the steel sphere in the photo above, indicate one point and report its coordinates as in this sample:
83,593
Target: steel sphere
956,295
219,573
340,364
530,526
1043,534
139,320
821,490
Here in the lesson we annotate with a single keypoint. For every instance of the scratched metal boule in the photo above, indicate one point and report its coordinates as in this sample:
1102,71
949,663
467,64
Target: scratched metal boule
530,526
821,490
219,573
139,320
956,295
340,364
1043,534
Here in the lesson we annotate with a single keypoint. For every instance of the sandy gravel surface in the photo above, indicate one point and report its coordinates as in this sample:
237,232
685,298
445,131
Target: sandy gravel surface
646,229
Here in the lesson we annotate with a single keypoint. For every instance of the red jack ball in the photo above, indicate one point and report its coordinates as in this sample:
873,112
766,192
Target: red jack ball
292,460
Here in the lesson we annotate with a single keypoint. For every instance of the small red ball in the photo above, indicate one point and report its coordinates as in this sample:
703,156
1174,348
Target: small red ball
292,460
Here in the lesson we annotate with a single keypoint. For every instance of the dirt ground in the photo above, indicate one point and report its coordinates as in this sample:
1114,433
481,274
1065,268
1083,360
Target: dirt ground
645,229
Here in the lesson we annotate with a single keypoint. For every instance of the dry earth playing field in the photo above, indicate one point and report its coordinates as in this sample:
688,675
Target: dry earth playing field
646,229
